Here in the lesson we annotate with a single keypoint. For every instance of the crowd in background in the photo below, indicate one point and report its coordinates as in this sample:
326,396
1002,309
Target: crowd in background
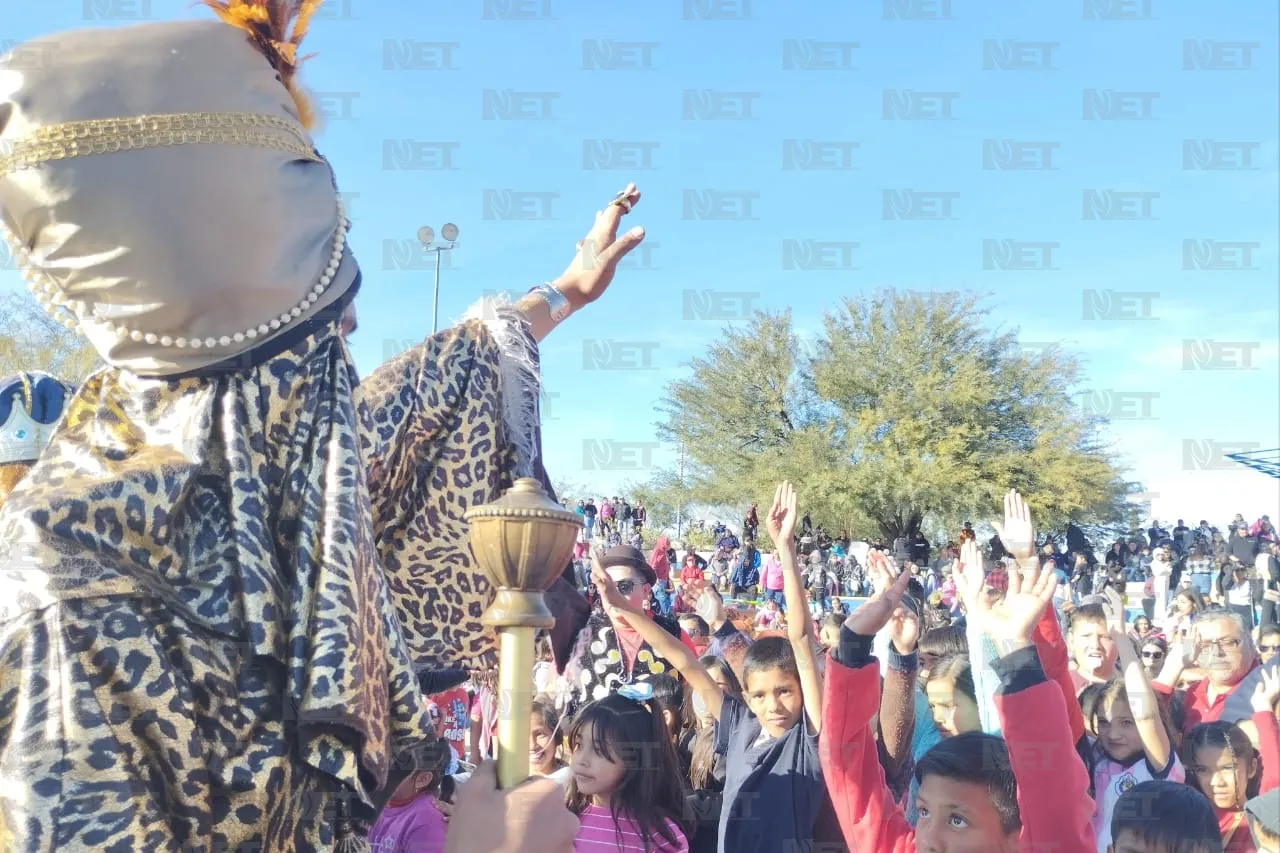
977,696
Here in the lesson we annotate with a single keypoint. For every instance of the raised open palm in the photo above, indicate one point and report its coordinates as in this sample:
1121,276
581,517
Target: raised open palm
969,576
1017,533
1013,619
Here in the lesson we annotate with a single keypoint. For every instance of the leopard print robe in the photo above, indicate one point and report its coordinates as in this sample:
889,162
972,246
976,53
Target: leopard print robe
198,650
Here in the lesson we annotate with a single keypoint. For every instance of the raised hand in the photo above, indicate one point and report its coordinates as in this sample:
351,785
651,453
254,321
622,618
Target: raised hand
904,629
969,576
592,269
879,572
781,520
615,603
876,612
1010,623
710,606
1017,532
1267,693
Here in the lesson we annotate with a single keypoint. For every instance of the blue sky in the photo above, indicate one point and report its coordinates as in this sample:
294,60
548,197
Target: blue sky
496,90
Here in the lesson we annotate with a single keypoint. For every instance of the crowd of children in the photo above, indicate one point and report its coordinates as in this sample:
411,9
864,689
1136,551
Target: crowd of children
870,731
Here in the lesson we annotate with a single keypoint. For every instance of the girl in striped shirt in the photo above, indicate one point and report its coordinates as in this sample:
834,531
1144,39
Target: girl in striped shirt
626,788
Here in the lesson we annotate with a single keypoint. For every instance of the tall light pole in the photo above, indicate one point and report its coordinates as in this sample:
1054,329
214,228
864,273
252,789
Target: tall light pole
427,236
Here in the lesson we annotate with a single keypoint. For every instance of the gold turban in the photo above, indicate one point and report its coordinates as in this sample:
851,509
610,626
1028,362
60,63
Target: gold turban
161,192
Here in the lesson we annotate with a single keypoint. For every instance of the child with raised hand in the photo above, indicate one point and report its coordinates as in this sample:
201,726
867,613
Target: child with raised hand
773,787
976,793
1133,743
625,787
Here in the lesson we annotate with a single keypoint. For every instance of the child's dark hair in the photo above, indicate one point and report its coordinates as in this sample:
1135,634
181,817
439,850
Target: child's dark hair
1220,734
634,735
957,668
769,653
430,757
703,752
1089,698
979,759
944,642
1167,816
668,695
833,620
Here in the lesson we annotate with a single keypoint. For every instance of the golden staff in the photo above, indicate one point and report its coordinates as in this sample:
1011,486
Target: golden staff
522,542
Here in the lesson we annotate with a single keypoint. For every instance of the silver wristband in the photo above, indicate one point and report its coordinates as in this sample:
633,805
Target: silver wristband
556,301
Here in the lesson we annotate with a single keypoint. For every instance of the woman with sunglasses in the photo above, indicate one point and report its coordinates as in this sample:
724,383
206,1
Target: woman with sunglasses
1269,642
1154,651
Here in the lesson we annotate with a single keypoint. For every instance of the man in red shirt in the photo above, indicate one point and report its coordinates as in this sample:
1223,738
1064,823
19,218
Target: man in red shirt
1224,650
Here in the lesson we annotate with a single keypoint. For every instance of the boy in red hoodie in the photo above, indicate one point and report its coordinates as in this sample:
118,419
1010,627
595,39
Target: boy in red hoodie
978,793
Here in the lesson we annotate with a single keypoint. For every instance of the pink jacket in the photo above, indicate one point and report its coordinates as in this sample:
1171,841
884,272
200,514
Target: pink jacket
771,577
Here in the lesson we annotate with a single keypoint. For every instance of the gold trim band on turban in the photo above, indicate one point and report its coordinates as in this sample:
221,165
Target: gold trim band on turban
108,136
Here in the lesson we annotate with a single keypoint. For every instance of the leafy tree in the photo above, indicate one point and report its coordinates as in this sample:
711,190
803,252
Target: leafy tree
32,340
907,406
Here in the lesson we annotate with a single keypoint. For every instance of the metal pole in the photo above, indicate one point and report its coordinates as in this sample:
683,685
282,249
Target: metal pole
435,300
680,511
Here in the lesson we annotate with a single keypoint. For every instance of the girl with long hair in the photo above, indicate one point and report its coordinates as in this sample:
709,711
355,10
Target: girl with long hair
625,786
